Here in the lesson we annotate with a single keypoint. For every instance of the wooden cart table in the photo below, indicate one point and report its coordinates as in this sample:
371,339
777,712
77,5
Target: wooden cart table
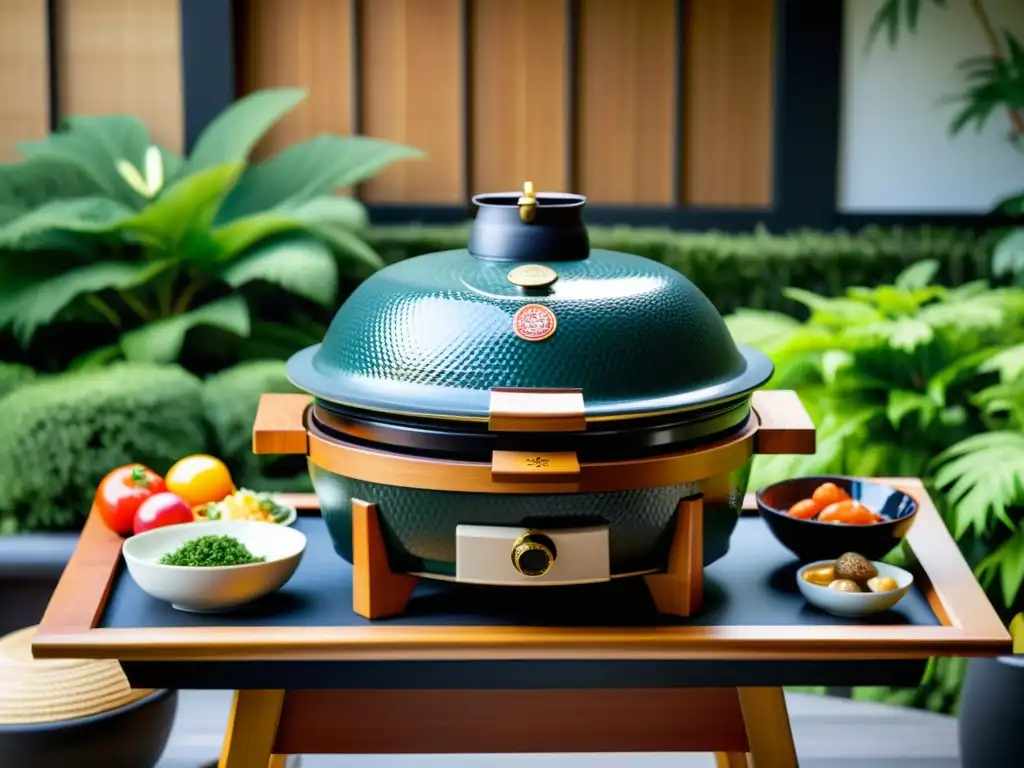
484,670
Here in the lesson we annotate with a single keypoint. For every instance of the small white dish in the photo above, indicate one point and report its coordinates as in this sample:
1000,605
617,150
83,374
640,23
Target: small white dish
217,588
855,604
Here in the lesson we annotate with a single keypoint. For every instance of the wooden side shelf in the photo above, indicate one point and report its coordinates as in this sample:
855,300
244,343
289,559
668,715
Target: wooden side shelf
680,590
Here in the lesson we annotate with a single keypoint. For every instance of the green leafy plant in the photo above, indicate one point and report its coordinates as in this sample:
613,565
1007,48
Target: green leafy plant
983,477
914,379
100,225
888,372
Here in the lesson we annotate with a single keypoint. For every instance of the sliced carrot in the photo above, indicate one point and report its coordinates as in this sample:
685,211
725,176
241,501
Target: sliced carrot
829,493
849,512
805,509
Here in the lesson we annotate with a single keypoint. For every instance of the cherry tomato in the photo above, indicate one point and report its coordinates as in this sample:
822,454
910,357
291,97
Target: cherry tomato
805,509
849,512
829,493
162,509
200,479
122,491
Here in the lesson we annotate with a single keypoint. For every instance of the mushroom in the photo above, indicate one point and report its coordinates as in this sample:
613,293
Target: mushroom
855,568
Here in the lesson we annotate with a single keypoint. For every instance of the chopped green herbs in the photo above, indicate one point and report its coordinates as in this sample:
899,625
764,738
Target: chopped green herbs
208,551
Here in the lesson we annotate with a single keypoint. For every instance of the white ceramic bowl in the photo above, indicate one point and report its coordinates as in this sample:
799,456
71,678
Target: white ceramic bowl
855,604
207,589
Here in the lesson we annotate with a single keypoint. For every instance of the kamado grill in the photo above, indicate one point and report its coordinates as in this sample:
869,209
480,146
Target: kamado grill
529,412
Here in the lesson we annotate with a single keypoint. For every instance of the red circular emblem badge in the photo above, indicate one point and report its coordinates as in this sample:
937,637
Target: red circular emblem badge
534,322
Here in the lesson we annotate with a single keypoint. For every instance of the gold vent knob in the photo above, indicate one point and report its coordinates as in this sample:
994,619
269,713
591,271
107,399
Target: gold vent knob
533,554
528,203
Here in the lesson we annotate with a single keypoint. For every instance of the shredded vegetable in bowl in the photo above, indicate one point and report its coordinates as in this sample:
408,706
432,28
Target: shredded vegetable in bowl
244,504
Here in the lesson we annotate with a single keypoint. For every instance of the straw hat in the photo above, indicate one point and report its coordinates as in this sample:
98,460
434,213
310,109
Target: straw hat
46,690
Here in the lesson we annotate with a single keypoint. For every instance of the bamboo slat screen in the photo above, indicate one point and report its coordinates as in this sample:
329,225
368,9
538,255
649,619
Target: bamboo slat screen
24,75
122,56
659,102
497,91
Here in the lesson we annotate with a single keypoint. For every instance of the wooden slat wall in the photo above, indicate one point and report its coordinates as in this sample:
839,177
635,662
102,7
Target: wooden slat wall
727,129
300,43
410,77
413,92
627,55
24,74
519,95
122,56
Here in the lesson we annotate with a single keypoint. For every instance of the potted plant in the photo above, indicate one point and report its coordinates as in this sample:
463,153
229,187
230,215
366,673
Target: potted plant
991,712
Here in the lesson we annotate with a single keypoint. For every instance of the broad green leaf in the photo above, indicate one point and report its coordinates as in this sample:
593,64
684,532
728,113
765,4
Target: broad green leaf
230,137
90,154
356,256
187,205
908,333
21,272
902,403
160,341
31,183
832,310
1008,363
760,329
41,303
917,276
983,476
311,169
123,137
241,234
84,215
306,268
1008,258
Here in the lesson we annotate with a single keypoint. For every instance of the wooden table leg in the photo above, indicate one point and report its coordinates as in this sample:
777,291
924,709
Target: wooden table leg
768,730
252,729
730,760
376,591
680,590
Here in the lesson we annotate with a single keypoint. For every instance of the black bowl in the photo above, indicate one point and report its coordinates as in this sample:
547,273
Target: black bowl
133,735
810,540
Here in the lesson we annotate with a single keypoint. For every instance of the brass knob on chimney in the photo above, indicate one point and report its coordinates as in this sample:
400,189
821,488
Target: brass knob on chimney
528,203
533,554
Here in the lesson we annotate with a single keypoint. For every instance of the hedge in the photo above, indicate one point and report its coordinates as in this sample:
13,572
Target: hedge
230,400
749,270
12,376
62,434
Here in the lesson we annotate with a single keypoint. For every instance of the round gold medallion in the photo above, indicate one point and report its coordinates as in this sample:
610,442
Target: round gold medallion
532,276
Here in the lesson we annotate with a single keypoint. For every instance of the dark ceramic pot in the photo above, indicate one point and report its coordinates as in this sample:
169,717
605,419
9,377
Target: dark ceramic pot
991,713
134,735
527,382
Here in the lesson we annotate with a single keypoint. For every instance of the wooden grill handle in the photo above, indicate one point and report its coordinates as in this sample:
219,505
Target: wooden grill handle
280,426
785,426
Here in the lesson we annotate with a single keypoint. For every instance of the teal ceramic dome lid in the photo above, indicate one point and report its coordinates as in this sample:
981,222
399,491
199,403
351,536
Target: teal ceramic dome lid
430,336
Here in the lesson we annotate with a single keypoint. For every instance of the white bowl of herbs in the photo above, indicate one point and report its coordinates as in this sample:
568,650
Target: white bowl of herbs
213,566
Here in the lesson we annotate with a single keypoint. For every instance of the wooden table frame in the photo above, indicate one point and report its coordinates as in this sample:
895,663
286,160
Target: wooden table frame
672,719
